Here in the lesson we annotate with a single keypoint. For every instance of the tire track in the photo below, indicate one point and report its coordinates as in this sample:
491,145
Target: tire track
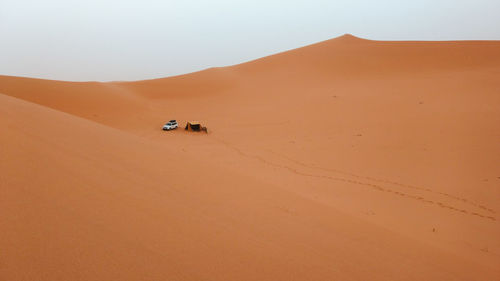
466,201
361,183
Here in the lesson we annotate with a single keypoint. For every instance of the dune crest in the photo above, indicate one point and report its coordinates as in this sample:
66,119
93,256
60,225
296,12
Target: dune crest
348,38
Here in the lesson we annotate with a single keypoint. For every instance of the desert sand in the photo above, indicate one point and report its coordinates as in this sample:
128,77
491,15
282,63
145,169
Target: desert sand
349,159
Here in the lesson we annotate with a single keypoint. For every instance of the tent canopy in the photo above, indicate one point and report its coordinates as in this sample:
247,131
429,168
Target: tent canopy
193,126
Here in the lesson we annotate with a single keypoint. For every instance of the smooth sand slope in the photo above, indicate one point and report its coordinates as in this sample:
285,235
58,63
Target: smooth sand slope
345,160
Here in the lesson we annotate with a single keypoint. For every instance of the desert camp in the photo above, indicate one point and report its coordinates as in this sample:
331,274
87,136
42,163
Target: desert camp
195,126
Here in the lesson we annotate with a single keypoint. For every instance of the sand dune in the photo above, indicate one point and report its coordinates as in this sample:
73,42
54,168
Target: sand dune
349,159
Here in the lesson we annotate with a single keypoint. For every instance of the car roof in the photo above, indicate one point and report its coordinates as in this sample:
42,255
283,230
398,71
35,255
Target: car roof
173,120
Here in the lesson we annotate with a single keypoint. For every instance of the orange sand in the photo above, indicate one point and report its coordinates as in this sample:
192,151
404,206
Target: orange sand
345,160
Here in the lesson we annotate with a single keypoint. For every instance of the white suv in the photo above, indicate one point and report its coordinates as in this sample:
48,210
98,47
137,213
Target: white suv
172,124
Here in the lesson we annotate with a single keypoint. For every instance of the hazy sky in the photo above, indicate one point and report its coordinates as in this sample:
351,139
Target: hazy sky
130,40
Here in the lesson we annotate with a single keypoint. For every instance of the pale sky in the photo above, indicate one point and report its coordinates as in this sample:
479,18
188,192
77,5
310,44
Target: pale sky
107,40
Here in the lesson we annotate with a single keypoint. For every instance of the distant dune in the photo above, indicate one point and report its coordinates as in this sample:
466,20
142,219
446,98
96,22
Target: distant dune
349,159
